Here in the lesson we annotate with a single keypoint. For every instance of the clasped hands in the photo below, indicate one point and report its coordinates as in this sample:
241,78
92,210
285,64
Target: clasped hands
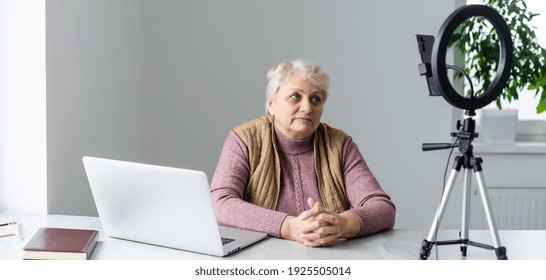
319,226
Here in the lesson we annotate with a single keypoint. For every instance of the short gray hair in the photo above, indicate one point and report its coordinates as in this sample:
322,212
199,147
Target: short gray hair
282,72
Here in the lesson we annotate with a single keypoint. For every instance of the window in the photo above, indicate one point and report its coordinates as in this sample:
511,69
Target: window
22,107
531,126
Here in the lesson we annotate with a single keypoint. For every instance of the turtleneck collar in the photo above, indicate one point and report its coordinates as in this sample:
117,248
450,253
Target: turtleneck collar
293,147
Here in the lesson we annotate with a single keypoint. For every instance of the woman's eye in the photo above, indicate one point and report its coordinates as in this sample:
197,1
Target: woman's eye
295,96
316,100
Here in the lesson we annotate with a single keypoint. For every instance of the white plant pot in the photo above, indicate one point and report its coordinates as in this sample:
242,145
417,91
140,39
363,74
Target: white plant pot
498,126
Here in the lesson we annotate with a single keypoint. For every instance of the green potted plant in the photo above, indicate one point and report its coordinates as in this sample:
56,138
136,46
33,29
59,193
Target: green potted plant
477,40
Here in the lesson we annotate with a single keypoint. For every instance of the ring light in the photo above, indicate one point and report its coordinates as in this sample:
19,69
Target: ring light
436,71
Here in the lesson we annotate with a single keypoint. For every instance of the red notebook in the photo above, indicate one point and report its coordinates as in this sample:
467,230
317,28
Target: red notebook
61,244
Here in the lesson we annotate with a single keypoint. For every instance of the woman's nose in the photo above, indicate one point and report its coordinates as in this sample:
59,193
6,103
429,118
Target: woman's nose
305,106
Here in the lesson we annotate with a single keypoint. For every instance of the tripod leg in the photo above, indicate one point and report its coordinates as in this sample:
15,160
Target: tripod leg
465,211
427,244
499,250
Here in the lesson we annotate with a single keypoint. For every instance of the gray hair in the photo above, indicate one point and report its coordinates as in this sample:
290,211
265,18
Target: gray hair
282,72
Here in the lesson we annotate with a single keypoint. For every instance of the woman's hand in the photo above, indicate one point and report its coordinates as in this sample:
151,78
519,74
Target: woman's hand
321,229
293,227
319,226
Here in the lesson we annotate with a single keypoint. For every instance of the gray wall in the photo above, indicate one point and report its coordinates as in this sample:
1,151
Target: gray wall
163,82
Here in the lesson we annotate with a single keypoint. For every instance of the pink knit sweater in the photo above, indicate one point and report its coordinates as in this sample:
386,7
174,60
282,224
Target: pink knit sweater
298,182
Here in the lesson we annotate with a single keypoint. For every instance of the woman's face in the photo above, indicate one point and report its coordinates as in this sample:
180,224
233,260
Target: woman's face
297,107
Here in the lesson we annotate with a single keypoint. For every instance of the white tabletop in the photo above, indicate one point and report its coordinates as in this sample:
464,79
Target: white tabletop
397,244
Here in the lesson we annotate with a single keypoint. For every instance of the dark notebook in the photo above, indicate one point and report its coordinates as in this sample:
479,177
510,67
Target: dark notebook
61,244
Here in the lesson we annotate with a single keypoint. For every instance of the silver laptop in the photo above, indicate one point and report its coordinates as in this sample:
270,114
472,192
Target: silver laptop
163,206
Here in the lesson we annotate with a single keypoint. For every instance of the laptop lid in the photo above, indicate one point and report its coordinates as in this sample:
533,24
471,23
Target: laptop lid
165,206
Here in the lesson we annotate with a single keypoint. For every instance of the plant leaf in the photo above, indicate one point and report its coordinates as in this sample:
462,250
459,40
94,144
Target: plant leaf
541,107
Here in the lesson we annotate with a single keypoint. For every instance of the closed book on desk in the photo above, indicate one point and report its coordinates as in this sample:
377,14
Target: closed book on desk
61,244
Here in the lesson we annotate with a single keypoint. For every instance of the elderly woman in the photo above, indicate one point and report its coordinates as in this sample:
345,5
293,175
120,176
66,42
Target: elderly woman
291,176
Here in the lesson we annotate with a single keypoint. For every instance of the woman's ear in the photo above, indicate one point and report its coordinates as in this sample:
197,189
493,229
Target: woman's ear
270,107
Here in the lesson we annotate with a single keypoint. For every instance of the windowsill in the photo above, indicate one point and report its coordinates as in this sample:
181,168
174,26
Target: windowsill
518,147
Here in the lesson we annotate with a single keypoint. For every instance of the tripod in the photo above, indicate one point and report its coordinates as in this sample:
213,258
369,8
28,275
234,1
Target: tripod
468,162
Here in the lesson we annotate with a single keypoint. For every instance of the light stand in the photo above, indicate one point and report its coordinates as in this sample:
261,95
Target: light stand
434,68
469,163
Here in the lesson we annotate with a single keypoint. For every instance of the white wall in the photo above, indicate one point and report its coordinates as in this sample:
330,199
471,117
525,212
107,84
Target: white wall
163,82
22,107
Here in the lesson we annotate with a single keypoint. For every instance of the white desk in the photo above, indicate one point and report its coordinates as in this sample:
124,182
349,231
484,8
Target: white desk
397,244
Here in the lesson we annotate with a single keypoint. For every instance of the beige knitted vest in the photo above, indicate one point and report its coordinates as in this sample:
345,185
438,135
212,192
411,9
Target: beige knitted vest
265,172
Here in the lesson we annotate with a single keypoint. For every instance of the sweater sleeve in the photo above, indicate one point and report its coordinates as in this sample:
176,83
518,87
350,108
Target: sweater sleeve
368,201
228,187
